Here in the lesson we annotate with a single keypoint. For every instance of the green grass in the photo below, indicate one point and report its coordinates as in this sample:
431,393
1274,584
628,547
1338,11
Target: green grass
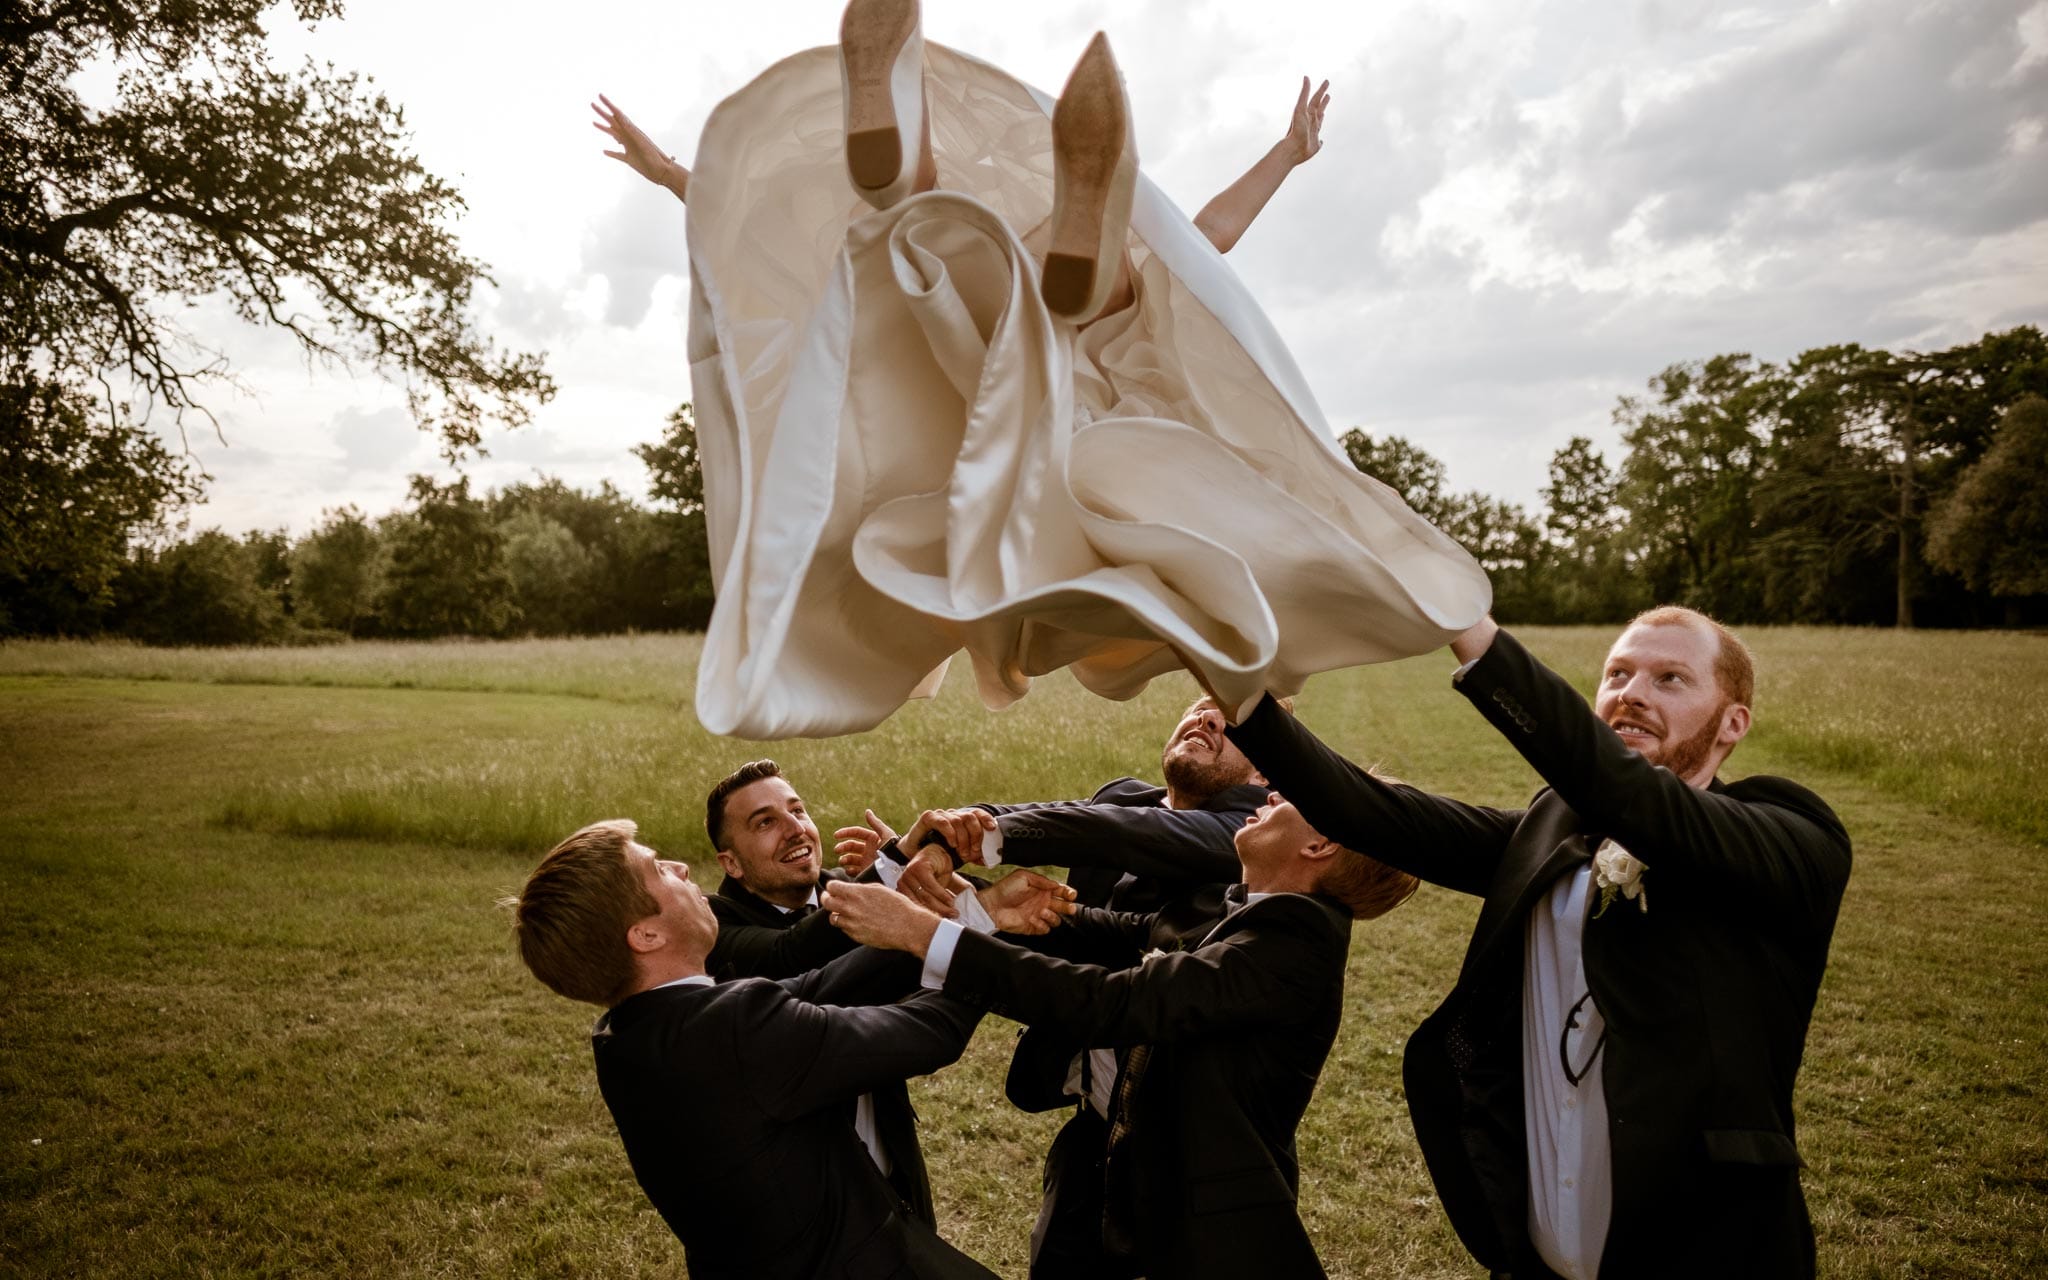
261,1014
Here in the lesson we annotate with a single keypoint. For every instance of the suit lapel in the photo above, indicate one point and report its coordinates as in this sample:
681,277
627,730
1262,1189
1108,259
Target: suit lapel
1549,845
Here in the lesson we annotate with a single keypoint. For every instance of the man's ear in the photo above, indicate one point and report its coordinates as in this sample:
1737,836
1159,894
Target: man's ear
731,865
1734,725
1258,779
646,935
1320,848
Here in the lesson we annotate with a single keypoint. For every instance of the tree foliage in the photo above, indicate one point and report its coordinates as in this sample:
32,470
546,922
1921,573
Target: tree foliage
74,493
337,573
290,193
1993,530
447,572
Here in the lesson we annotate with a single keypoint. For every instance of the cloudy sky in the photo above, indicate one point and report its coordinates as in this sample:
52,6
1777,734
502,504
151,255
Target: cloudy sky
1524,208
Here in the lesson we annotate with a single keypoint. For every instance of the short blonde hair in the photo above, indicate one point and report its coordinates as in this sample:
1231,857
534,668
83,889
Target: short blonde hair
571,918
1369,887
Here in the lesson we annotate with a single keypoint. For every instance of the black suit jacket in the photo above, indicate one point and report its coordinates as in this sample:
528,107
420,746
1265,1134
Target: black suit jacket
735,1104
1126,851
1707,995
757,940
1240,1026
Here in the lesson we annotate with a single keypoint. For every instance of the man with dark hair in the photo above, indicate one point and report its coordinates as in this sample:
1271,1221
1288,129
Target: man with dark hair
730,1098
777,1065
768,847
769,927
1226,1030
1607,1090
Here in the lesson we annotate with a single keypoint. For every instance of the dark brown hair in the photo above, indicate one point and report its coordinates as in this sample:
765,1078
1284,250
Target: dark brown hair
714,804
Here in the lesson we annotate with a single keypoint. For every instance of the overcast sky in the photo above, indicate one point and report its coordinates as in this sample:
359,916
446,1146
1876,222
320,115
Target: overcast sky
1523,209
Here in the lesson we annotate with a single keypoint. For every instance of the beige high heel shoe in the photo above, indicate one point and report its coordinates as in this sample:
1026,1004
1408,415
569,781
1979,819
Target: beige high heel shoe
881,72
1095,173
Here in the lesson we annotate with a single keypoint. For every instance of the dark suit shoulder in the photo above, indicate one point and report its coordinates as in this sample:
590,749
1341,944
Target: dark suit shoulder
1764,788
1303,910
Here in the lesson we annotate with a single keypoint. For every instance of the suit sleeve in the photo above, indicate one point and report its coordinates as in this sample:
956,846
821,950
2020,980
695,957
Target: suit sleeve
863,976
1789,847
755,951
1146,840
798,1057
1438,839
1259,976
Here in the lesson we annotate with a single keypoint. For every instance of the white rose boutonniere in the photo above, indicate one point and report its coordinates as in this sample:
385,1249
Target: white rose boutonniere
1617,872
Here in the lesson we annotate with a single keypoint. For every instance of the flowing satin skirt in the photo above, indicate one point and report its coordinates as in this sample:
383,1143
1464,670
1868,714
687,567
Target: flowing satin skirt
906,456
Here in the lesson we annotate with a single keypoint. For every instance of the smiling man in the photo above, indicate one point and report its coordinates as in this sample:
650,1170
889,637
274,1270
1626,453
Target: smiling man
731,1098
770,927
1607,1091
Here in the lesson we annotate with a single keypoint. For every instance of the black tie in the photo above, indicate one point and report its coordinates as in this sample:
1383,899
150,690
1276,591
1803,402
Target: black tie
1118,1236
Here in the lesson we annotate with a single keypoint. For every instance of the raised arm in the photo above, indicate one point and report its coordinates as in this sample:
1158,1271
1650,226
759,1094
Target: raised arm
1225,218
1441,840
1147,840
800,1056
637,151
1772,839
755,951
1273,972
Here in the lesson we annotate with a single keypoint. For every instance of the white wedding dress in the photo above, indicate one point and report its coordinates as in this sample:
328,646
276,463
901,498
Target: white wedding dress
905,456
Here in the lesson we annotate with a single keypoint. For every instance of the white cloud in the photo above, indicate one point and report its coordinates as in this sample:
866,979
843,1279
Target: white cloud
1522,210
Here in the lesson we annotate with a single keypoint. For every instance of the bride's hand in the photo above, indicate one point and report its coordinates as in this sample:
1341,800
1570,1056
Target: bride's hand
1305,130
636,150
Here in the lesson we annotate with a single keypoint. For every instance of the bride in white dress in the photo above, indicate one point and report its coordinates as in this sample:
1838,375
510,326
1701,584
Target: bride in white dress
908,453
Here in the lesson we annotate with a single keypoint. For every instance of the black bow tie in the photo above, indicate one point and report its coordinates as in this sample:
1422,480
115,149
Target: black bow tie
1235,894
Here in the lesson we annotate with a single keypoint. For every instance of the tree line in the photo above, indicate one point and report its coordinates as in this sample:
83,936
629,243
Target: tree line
1848,486
541,558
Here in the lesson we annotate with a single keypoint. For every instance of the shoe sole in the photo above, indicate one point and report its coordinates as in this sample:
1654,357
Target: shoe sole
1095,175
872,38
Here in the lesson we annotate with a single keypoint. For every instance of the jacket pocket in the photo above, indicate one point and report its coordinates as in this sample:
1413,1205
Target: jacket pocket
1751,1146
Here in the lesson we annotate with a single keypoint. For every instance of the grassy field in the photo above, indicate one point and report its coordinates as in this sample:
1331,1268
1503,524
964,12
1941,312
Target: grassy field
261,1016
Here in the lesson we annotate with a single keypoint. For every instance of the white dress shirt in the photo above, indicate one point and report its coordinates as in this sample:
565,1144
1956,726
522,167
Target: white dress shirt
1571,1168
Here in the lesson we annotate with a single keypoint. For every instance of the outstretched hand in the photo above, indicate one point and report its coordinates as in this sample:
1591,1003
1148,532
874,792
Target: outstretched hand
879,917
1305,130
856,847
636,150
1027,902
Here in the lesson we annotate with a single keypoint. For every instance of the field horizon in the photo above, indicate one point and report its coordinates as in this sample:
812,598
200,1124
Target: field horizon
263,1015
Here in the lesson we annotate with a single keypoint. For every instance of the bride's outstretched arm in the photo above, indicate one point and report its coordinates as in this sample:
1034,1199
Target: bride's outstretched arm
637,150
1225,218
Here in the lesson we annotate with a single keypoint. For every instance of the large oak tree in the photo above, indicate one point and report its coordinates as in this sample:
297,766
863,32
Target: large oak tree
290,193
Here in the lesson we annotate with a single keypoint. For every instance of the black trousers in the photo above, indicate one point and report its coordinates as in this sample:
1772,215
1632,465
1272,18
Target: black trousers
1066,1241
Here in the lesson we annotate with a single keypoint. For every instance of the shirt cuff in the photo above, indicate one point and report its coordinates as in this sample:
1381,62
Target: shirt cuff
888,871
1459,674
972,914
992,846
938,957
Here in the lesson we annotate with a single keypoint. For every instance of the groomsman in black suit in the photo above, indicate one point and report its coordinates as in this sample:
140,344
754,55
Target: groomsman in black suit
1607,1090
1225,1029
1136,847
735,1101
769,927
